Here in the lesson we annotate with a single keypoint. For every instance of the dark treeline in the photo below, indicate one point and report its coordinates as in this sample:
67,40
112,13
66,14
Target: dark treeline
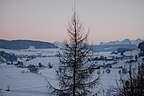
24,44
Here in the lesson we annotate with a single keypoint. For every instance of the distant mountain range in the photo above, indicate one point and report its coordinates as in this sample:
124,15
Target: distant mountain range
114,45
103,46
25,44
125,41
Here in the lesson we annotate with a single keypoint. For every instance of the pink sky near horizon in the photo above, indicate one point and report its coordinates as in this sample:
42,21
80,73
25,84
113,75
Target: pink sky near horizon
47,20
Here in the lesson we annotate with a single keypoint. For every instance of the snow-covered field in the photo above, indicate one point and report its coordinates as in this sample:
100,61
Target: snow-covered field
21,82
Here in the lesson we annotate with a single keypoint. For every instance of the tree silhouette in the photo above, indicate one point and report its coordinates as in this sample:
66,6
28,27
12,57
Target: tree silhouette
132,86
76,70
141,47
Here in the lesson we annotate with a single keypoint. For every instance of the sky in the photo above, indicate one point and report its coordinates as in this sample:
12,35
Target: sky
47,20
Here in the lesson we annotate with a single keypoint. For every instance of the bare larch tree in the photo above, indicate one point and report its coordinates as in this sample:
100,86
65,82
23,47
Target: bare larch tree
76,71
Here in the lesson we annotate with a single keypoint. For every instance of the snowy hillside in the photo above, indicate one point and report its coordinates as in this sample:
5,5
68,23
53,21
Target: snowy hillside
22,82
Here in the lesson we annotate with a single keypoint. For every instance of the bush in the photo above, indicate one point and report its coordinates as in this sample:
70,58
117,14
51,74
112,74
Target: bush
98,72
50,65
108,70
41,65
33,69
20,64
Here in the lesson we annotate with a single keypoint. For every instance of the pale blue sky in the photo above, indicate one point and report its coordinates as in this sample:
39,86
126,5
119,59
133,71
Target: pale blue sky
47,20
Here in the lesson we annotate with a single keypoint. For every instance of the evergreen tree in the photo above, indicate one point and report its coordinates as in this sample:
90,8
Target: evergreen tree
76,70
141,47
132,86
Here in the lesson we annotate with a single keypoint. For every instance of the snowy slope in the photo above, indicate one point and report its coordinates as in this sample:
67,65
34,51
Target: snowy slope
24,83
